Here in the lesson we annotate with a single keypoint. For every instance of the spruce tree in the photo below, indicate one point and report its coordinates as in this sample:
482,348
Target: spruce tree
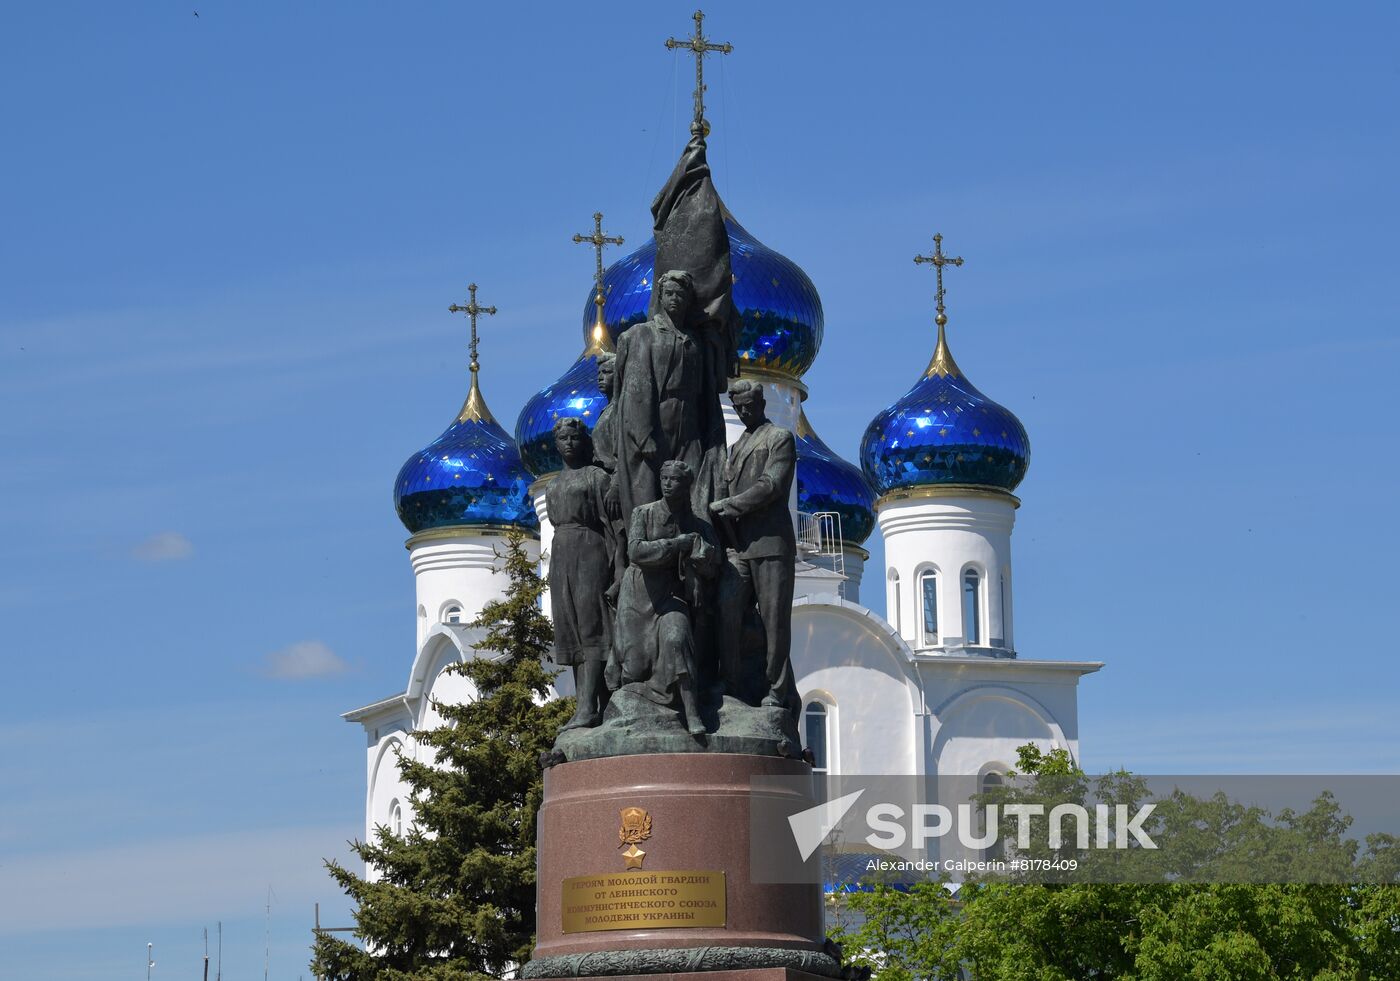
454,896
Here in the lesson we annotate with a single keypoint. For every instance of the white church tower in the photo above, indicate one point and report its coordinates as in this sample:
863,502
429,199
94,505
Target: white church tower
459,497
937,686
945,459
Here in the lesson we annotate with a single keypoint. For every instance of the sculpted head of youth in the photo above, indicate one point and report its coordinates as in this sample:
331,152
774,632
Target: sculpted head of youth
749,402
607,372
573,441
677,293
676,478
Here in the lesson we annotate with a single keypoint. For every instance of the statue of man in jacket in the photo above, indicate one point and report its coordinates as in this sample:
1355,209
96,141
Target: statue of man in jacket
757,485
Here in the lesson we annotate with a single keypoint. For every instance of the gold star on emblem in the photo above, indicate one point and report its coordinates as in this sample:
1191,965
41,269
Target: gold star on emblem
636,826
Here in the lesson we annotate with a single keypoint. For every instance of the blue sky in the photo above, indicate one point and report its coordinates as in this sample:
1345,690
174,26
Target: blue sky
227,243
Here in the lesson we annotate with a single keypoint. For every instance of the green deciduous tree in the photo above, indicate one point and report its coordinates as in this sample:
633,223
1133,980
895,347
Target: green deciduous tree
901,935
1343,925
454,896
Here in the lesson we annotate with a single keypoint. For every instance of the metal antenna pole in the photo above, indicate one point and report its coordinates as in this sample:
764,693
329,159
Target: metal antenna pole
267,932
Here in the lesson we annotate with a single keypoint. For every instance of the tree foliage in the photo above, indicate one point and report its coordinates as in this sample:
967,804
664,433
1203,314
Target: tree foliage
453,898
1249,927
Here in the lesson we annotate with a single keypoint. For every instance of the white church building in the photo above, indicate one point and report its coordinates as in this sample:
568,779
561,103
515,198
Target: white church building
935,687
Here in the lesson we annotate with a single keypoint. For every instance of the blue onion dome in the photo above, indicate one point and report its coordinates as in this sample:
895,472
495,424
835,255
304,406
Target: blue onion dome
825,482
779,306
574,395
944,431
470,476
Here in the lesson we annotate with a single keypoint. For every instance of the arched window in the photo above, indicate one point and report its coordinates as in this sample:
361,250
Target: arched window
972,607
995,851
892,599
1003,616
928,592
453,614
815,723
396,818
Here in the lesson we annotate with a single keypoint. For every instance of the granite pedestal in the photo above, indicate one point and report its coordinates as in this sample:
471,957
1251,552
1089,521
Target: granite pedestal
696,830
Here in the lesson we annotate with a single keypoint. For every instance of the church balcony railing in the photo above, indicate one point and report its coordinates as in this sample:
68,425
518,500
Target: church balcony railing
819,541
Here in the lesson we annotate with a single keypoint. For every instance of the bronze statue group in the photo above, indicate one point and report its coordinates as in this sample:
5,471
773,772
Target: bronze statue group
672,565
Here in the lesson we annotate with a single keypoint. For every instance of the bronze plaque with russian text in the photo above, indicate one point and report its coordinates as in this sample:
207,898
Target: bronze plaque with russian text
643,901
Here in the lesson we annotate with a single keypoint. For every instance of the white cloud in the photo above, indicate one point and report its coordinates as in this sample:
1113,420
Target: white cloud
165,546
304,659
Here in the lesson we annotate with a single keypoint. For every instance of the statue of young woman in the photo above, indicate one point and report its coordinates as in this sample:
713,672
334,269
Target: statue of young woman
580,569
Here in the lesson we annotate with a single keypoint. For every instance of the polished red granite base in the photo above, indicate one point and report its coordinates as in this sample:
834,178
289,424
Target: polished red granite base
698,804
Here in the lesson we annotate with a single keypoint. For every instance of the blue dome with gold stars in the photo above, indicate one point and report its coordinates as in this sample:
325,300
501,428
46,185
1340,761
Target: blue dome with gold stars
825,482
575,394
944,431
779,306
470,476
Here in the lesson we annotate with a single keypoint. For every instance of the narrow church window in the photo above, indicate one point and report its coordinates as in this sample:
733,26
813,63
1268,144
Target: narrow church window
892,604
815,732
396,818
453,614
928,585
994,851
972,607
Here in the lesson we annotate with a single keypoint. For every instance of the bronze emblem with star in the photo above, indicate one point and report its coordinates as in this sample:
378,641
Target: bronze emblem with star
636,828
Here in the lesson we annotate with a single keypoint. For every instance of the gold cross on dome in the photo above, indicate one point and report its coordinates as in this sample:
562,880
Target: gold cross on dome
939,260
598,340
598,240
701,46
472,310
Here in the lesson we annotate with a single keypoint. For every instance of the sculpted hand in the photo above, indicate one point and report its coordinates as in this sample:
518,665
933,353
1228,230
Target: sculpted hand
612,507
724,508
